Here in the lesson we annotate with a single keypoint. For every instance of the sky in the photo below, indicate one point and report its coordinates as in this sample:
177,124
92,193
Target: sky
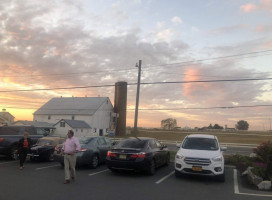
72,43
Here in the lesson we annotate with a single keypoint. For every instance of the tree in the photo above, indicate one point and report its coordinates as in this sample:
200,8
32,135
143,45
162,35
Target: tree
242,125
216,126
168,124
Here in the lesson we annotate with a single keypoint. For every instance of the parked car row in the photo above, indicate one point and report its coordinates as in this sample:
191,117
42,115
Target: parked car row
198,154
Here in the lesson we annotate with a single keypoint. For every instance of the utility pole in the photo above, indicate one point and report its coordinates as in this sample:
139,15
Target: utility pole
137,97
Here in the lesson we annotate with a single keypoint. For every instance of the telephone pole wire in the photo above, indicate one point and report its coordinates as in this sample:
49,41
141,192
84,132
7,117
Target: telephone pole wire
137,97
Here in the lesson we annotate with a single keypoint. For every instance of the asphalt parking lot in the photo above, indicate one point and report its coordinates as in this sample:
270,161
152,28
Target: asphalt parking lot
44,180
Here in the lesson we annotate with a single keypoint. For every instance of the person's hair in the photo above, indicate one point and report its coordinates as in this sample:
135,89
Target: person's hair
26,133
71,132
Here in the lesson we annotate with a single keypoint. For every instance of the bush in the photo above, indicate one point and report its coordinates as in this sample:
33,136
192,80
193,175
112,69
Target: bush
263,151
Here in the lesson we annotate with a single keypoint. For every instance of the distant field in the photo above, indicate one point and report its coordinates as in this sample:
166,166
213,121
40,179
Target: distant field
245,137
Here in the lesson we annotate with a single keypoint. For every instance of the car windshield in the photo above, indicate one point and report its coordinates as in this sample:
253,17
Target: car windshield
200,144
135,144
84,140
45,142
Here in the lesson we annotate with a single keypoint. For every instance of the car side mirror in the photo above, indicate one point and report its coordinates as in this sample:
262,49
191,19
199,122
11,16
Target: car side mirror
114,143
178,145
163,146
223,148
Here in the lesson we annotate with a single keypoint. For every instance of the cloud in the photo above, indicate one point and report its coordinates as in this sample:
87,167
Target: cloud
176,20
265,5
248,8
227,29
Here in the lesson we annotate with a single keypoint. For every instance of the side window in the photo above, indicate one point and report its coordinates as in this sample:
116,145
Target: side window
158,144
101,141
152,144
108,141
40,131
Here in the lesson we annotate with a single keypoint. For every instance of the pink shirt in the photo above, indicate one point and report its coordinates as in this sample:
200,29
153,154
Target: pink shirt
71,145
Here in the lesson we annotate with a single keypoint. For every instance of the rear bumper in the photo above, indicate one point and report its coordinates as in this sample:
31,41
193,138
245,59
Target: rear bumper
138,165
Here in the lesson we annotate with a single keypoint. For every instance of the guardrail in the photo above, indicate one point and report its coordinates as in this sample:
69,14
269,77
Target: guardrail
241,145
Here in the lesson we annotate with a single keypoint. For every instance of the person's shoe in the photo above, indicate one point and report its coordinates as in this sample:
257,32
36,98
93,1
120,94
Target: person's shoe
66,182
73,178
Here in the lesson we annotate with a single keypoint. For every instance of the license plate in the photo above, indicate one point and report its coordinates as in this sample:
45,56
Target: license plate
197,169
122,156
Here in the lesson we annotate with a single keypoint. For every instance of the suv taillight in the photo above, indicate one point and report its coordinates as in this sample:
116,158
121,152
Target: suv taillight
1,139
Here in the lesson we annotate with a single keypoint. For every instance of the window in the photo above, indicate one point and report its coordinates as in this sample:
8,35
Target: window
81,130
101,141
62,124
49,117
73,117
76,130
108,141
152,144
95,130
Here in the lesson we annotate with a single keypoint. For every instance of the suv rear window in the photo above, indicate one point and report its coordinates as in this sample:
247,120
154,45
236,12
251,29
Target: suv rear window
200,144
132,143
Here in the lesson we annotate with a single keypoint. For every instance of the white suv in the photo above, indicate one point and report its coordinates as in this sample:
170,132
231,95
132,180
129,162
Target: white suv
201,155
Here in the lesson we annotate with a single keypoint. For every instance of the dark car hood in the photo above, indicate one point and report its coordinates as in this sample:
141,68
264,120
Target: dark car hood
41,147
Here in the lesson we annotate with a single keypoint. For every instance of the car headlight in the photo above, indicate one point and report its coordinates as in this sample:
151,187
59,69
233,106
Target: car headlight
178,156
218,159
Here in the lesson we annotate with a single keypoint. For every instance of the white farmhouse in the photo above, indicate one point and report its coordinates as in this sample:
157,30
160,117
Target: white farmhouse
6,118
97,112
80,128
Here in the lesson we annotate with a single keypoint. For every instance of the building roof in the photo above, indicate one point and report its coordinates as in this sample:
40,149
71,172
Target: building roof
75,123
72,106
34,123
6,113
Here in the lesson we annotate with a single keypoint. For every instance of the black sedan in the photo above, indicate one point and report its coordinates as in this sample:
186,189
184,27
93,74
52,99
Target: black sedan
93,151
44,148
138,154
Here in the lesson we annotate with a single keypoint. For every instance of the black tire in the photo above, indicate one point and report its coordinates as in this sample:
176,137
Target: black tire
152,168
221,178
167,160
94,161
50,157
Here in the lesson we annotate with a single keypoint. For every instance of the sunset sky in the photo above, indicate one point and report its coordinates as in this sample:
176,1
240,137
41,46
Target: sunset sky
70,43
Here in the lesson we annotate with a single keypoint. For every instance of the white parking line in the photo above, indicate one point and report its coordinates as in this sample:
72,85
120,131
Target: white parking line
236,187
8,162
161,180
98,172
47,167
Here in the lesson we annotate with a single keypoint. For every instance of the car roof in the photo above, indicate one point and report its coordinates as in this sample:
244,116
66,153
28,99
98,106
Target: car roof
51,138
201,136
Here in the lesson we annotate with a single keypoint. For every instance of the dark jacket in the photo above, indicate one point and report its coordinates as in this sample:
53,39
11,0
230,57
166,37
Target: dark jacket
21,144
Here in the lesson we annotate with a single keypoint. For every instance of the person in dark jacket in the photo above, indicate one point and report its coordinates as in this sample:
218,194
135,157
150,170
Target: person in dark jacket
23,148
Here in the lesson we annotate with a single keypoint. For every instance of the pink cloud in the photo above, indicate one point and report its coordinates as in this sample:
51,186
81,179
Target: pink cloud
248,8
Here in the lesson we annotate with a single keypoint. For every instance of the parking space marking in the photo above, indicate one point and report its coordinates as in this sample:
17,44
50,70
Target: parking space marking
98,172
236,187
167,176
47,167
8,162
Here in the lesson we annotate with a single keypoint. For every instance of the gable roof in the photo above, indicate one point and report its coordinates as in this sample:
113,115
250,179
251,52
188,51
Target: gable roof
6,113
75,123
72,106
33,123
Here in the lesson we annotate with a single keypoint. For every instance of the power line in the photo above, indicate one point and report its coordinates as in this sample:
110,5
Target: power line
164,109
151,83
208,59
147,68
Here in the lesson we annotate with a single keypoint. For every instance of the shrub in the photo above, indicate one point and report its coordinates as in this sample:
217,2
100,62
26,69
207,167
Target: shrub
263,151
